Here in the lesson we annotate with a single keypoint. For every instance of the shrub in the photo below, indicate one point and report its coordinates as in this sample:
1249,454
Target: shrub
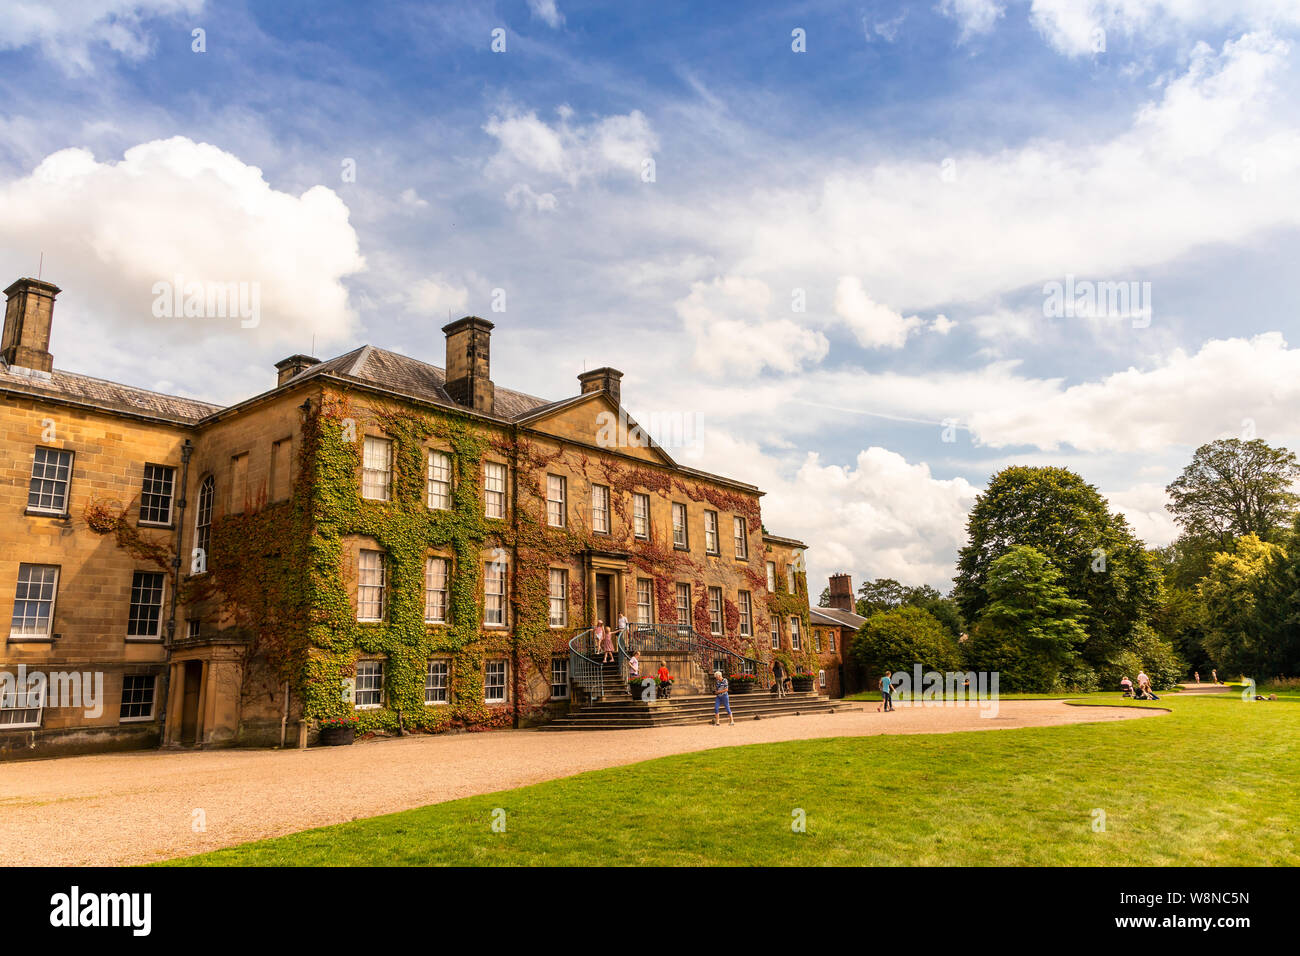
901,638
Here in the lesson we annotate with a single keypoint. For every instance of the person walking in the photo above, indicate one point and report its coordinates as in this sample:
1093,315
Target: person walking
623,629
1197,676
778,674
1214,675
886,695
721,698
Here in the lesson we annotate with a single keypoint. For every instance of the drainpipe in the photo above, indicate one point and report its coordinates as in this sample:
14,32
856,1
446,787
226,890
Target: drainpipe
187,449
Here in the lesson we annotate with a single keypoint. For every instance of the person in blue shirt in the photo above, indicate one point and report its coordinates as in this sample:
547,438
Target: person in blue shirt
886,686
721,697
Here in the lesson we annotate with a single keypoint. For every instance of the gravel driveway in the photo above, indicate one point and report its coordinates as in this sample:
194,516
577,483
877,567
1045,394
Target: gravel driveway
139,807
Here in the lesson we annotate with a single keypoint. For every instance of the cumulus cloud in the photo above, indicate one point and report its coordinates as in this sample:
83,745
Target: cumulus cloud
881,516
569,151
1100,209
111,231
67,31
1073,27
547,12
876,326
728,319
522,196
973,16
1227,387
435,295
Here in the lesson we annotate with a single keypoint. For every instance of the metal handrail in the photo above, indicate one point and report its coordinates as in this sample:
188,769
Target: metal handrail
589,673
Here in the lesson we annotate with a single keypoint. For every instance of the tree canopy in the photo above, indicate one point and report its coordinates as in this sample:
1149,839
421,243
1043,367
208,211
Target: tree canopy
1233,488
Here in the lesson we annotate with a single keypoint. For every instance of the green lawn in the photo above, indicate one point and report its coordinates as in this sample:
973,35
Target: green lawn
1213,782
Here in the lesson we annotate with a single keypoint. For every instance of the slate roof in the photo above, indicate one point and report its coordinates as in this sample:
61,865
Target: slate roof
408,376
833,615
85,390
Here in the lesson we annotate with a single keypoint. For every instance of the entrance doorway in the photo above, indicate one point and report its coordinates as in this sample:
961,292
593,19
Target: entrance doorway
604,589
190,703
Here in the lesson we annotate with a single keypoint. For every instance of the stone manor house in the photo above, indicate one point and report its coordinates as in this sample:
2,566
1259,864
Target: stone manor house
373,537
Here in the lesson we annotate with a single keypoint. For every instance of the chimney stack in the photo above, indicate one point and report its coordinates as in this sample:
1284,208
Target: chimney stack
469,367
842,593
608,380
287,368
29,313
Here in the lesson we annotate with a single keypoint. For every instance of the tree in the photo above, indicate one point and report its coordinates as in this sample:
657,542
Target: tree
1031,628
825,599
902,637
1233,488
1235,636
882,594
1065,519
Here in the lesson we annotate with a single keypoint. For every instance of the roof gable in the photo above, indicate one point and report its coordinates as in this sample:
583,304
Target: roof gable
592,418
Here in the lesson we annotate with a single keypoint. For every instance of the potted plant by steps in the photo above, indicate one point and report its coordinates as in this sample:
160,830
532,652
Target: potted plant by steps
338,731
803,681
637,687
742,683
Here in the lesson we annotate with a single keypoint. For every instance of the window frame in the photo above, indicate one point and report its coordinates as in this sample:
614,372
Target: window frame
429,563
203,522
711,517
771,577
796,633
153,700
745,605
505,680
66,482
740,534
641,519
601,505
688,625
132,605
368,470
492,495
650,603
170,470
557,504
357,690
775,625
431,482
717,617
429,674
562,597
501,595
17,636
563,662
685,544
382,586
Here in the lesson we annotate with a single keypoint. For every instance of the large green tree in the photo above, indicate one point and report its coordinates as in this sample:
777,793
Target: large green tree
1065,519
1233,488
900,638
1237,629
1030,629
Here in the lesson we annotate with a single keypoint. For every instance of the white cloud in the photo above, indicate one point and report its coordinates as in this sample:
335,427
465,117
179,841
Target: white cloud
728,319
67,30
1144,507
569,152
1100,208
111,230
434,295
1221,390
1072,26
522,196
875,326
973,16
411,199
882,516
942,325
547,12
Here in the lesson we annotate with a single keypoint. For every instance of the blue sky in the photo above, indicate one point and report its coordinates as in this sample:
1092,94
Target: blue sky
915,177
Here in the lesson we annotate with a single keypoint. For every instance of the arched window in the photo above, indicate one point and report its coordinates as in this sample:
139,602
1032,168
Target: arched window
203,526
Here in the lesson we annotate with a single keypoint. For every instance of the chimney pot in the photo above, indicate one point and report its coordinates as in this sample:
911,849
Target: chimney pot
608,380
842,592
469,363
29,314
288,368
